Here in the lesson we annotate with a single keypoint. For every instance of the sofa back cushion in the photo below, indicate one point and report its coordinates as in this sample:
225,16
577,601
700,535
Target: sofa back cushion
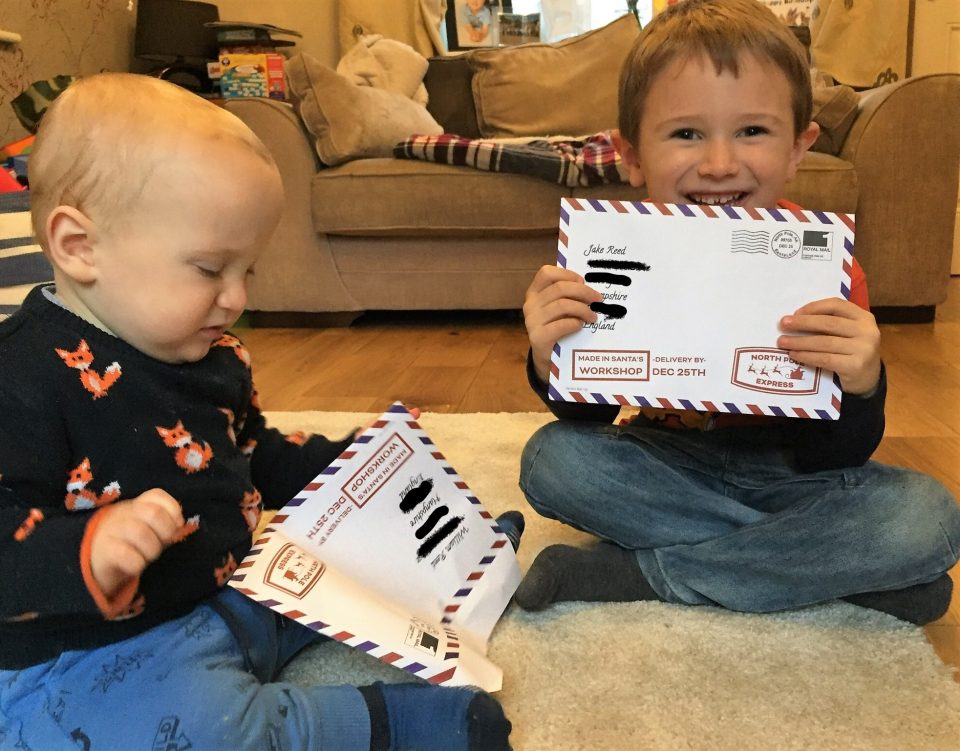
567,88
350,121
834,110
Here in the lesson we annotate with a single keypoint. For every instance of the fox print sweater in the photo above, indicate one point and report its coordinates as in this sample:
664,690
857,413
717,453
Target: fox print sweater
88,421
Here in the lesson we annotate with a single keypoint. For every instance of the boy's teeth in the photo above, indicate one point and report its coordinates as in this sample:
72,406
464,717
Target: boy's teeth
715,200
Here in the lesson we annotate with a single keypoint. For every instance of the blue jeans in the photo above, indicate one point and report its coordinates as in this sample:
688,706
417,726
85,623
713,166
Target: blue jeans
723,518
193,682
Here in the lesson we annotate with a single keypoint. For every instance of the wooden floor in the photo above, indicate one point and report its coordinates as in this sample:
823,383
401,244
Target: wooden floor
446,362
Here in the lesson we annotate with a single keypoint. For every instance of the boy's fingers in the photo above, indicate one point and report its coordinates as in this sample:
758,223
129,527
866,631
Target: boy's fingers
548,275
561,308
831,307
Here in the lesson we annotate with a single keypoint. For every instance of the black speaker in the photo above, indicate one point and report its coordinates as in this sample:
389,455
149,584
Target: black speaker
174,33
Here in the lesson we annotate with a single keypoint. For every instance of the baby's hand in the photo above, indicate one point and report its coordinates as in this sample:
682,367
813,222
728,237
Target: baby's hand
838,335
557,304
131,535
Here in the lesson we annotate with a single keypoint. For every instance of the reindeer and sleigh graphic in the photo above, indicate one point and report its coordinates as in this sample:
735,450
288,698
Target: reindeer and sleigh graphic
772,371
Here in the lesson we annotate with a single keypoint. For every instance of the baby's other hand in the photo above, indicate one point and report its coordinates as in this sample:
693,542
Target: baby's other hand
131,535
837,335
557,304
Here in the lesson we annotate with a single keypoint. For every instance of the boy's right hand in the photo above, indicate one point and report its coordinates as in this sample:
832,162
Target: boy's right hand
557,304
131,535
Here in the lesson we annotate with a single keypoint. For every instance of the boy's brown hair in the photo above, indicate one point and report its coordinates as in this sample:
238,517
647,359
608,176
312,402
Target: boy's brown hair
722,31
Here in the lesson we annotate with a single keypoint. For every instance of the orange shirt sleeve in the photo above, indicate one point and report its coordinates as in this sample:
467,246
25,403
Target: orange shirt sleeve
111,607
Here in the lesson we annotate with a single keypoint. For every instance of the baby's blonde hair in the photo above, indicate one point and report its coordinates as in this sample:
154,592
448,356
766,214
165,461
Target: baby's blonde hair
722,31
102,138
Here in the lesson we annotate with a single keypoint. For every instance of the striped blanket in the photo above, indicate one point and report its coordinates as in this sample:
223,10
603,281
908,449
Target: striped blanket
22,264
580,162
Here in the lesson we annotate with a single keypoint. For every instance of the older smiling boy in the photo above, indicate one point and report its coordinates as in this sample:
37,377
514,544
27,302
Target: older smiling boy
753,514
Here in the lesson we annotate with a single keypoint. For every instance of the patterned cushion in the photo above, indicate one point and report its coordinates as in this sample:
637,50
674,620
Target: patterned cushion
22,264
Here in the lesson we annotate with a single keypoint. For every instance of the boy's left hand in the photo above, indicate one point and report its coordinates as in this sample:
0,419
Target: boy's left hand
837,335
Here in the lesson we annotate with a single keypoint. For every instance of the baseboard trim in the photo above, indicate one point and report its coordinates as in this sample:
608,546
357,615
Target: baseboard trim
904,313
283,319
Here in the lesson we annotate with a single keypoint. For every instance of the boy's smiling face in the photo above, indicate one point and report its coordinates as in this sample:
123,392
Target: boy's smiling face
717,139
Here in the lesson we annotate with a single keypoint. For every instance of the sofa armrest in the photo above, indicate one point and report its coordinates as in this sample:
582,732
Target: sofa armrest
905,147
279,284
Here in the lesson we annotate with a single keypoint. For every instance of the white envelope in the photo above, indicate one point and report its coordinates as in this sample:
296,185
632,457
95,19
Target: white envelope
692,300
389,552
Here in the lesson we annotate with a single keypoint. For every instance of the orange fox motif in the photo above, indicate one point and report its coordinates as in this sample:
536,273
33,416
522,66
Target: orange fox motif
238,349
82,358
78,497
224,572
231,430
190,455
250,507
26,528
249,447
28,616
190,526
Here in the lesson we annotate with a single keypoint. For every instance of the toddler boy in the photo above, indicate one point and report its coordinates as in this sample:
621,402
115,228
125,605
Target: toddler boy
134,458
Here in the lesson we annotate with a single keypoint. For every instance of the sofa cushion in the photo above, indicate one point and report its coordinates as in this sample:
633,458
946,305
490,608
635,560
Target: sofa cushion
567,88
407,195
834,110
350,121
400,197
451,96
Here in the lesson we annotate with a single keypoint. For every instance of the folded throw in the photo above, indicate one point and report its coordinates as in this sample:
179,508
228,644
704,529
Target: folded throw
574,162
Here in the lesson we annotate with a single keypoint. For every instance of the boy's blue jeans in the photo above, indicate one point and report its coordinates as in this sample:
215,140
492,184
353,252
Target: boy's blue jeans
723,518
188,683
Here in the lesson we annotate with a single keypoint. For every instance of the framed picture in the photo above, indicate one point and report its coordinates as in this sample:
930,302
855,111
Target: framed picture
473,23
519,28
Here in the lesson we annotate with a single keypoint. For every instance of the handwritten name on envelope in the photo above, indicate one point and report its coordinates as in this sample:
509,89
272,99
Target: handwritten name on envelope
692,300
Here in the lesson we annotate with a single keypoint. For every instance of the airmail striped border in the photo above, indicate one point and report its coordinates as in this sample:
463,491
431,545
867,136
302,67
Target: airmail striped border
843,222
383,654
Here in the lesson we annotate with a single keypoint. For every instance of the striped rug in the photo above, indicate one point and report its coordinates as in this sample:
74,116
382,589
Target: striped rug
22,264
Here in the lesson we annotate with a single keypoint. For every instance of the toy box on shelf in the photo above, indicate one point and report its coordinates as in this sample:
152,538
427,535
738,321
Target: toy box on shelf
245,74
249,63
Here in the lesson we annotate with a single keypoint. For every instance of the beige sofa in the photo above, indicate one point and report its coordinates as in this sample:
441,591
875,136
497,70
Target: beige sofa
386,233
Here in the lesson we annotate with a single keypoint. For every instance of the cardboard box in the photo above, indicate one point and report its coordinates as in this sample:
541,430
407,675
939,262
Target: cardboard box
252,75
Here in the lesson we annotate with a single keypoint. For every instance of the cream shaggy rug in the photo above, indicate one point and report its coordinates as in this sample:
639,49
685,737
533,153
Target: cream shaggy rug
666,677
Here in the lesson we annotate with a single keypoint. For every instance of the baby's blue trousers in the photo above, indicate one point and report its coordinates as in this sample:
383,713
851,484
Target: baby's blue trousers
190,683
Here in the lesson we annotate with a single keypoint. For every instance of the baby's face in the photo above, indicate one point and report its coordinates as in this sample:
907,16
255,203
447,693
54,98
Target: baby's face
475,5
717,139
172,277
